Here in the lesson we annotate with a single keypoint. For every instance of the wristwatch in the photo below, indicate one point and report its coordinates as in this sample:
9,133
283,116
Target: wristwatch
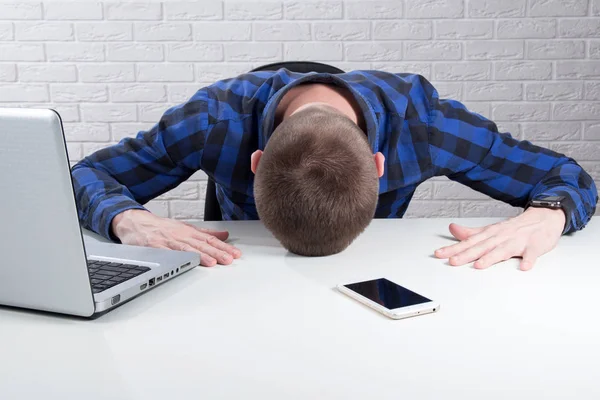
553,202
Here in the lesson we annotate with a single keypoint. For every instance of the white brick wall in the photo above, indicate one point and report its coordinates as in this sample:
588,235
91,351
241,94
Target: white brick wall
112,68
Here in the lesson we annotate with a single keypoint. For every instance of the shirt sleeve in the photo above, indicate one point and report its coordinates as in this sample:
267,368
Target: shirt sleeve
137,169
467,148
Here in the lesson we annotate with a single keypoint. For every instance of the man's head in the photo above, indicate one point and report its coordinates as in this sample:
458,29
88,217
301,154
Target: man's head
316,183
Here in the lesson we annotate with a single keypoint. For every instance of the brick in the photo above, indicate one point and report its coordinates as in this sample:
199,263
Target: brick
432,50
594,48
375,10
75,52
185,191
423,69
592,168
521,112
591,132
47,73
554,91
165,72
499,50
137,92
162,31
152,112
558,8
72,10
158,208
464,29
135,52
20,52
546,131
497,9
523,70
455,191
576,111
92,147
6,31
119,131
274,31
423,191
20,10
596,8
523,28
106,73
198,176
493,91
23,93
211,73
432,209
514,129
8,73
182,92
44,31
592,91
108,112
68,112
385,51
342,31
313,9
184,209
253,52
386,30
488,209
351,65
253,10
479,107
578,70
327,51
74,150
104,31
549,50
473,71
448,90
61,93
579,151
579,28
78,132
222,31
194,11
133,11
195,52
434,9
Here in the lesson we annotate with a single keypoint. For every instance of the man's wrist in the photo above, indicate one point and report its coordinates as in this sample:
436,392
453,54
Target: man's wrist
120,220
556,215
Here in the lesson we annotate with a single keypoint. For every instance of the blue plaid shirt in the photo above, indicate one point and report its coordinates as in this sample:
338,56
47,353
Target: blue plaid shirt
419,134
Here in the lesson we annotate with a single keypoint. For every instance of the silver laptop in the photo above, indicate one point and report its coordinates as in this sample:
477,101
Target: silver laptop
44,263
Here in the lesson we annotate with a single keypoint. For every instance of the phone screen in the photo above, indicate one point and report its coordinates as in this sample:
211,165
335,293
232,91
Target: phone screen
387,293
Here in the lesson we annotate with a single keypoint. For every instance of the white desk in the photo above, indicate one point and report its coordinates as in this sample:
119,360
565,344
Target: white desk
271,326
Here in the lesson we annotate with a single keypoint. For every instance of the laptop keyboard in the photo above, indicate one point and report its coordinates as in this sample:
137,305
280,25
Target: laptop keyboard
106,274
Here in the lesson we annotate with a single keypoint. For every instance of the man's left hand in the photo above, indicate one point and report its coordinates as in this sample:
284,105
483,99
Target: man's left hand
529,236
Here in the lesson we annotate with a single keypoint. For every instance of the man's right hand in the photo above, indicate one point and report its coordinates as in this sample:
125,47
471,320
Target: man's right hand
142,228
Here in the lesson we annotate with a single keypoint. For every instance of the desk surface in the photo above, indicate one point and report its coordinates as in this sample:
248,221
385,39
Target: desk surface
271,326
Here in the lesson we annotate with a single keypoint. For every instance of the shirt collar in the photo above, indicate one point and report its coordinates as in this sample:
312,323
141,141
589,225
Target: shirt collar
268,115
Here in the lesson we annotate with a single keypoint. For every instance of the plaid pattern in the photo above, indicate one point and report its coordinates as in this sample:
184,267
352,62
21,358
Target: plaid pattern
419,134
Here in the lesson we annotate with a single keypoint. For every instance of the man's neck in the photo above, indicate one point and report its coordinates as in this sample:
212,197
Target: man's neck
339,98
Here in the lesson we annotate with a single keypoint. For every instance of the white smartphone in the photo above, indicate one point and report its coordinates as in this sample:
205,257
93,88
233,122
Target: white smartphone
389,298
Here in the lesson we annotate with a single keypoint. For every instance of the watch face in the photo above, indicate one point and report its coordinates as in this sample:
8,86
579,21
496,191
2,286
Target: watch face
551,198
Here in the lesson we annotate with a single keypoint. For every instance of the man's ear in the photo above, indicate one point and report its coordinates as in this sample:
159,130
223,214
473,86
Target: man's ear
255,159
379,163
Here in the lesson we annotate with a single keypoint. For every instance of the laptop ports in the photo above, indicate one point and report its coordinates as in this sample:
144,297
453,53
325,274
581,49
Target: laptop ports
143,286
184,266
151,282
165,276
159,279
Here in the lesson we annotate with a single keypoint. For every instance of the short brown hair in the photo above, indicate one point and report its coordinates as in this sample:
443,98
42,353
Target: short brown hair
316,184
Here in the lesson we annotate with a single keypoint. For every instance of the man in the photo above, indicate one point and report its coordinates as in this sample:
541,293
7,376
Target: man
317,156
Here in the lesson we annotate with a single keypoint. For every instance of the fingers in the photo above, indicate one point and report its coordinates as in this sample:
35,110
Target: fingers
500,253
475,252
462,232
529,258
206,259
221,235
449,251
216,243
